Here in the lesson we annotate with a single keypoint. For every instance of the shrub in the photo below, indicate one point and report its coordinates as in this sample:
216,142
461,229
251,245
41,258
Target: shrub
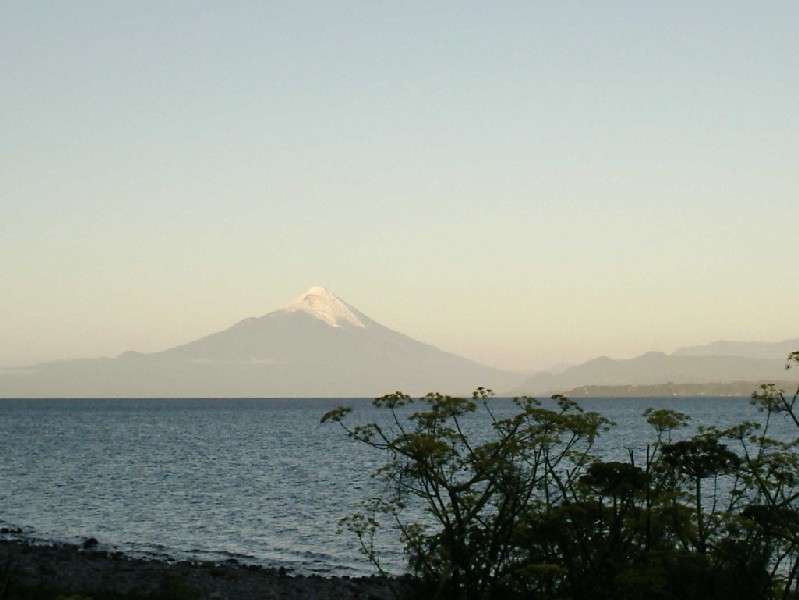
531,512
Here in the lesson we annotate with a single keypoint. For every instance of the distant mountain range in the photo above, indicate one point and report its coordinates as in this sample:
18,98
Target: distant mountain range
777,350
655,368
320,346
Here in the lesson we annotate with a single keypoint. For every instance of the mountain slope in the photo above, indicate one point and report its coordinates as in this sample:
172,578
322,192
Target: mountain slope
656,368
750,349
315,346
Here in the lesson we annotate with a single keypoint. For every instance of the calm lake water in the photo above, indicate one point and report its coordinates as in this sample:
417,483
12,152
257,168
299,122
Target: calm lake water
257,480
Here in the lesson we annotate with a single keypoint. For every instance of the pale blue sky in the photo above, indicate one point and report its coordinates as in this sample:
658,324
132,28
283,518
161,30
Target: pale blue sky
523,183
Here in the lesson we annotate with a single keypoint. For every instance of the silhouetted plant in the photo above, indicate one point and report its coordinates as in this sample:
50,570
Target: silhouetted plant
531,512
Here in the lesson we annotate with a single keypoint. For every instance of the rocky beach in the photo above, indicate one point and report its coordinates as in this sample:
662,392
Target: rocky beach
82,572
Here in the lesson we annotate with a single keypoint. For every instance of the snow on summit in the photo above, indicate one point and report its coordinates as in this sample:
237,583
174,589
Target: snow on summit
324,305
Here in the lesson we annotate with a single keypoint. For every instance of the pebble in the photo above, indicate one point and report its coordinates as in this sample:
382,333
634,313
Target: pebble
68,567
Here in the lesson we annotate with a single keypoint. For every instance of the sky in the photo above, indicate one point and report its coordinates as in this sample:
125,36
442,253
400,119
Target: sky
522,183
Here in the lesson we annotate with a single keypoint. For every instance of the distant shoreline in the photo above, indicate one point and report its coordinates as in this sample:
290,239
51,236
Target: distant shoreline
587,392
735,389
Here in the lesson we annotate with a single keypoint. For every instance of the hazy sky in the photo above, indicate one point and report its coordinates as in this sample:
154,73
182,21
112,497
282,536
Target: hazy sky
523,183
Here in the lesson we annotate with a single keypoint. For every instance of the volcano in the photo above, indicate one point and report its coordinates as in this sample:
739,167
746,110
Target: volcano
315,346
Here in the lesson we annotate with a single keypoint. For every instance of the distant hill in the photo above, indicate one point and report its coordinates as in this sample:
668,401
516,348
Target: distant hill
749,349
655,368
317,346
663,390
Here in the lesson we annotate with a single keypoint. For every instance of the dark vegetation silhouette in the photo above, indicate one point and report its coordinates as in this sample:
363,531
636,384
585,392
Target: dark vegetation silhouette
532,512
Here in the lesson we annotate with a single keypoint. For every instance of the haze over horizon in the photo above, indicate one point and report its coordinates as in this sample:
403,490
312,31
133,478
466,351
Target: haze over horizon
319,346
523,187
322,304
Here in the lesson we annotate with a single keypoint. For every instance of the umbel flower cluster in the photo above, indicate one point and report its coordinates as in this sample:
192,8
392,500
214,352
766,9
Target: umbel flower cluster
532,512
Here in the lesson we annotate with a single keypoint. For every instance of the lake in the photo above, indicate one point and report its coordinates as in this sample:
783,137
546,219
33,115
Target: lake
260,481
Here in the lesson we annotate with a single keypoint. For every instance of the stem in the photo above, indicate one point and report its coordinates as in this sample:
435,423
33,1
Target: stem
700,524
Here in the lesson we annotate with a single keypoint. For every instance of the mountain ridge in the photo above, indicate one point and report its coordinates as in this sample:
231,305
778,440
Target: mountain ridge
778,349
320,346
655,368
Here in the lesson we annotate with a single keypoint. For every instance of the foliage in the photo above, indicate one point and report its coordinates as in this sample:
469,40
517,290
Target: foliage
532,512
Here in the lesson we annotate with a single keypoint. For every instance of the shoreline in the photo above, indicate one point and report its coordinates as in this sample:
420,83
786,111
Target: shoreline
47,571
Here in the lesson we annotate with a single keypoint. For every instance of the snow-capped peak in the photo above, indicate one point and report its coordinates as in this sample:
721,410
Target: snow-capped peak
324,305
